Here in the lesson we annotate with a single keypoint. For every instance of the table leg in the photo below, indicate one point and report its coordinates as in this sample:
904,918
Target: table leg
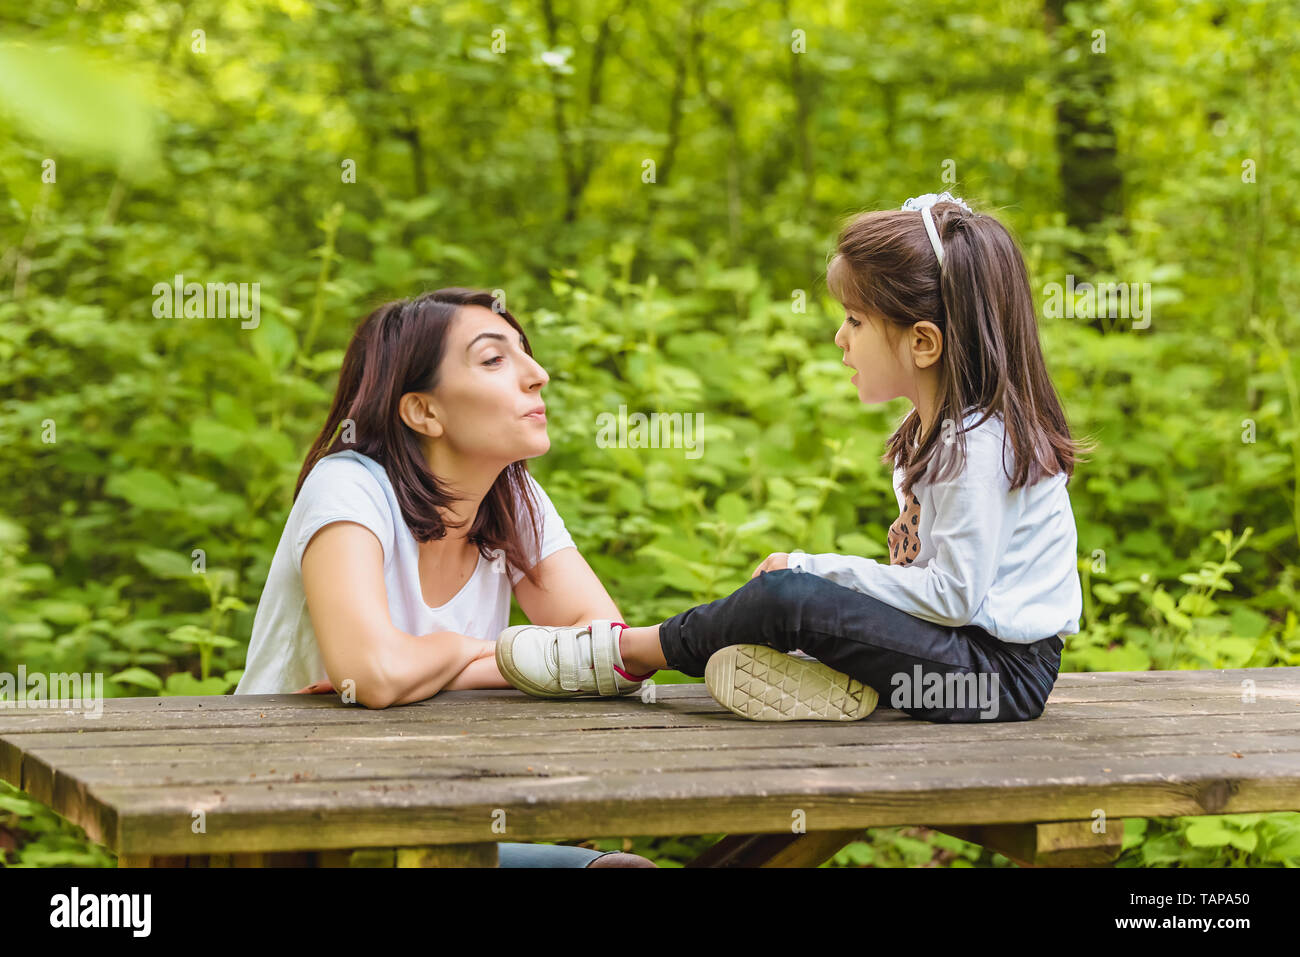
429,855
448,855
776,850
1046,843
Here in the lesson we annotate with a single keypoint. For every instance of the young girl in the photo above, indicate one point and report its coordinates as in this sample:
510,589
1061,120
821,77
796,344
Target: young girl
415,519
965,621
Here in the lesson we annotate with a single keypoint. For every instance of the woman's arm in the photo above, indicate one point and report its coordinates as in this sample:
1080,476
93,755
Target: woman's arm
481,672
569,592
343,580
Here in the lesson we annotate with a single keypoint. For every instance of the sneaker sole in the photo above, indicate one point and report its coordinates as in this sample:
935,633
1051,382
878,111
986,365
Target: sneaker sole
763,684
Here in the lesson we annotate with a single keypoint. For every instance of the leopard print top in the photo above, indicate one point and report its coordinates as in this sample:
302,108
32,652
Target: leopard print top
904,543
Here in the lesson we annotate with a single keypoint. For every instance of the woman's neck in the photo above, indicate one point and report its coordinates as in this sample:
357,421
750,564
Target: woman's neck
469,482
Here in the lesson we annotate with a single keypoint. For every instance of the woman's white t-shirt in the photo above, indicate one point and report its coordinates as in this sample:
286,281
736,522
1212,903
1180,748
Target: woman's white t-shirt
347,486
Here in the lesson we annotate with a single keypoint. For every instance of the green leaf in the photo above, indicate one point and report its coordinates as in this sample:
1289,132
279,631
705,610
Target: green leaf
857,854
164,563
1247,622
732,509
1106,593
217,438
1244,840
183,683
855,543
196,635
62,612
29,630
274,343
1209,832
143,488
1285,845
330,360
138,676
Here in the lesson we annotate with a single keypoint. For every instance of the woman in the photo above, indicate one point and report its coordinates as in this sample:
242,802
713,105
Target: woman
415,518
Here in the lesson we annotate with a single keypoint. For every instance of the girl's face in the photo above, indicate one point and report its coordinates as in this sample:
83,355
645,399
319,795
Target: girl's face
488,392
882,368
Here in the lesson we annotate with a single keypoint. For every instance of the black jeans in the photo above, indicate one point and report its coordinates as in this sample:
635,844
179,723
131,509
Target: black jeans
933,672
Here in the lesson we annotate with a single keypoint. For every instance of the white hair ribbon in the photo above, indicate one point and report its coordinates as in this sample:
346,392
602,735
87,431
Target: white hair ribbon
923,203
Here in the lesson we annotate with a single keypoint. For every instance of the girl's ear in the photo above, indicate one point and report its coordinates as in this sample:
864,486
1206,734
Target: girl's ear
926,341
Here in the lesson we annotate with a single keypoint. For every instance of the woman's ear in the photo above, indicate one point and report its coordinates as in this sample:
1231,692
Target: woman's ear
417,411
926,342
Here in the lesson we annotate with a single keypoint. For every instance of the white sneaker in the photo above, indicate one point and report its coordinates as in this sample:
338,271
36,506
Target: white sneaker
559,662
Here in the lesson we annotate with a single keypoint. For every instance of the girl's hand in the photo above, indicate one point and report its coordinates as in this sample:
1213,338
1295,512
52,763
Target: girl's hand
320,687
773,562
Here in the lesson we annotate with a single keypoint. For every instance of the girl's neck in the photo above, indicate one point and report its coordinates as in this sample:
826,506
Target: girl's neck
925,402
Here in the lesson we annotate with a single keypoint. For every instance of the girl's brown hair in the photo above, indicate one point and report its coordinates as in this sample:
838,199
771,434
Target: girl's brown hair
885,266
397,349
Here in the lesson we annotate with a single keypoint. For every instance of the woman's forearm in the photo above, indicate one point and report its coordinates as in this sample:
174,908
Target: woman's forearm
422,665
480,673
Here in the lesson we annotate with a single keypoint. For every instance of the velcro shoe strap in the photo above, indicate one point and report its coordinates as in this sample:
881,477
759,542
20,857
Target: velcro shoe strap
566,640
602,657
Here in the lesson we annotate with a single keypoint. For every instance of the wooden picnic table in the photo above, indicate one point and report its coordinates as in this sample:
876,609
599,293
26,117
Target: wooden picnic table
270,780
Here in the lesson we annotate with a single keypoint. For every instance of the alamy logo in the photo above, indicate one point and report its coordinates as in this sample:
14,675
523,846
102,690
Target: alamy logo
191,300
934,689
1110,300
56,690
659,430
102,910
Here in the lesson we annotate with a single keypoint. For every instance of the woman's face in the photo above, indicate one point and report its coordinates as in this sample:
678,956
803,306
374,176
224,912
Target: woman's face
880,366
488,386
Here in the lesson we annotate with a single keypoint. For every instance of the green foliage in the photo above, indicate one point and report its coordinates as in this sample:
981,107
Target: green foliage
149,462
31,835
1192,631
1227,840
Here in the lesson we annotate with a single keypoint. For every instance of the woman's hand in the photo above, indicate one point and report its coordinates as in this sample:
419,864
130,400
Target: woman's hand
773,562
320,687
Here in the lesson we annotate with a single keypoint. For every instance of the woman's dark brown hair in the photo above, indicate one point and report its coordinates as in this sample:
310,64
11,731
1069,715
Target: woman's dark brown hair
884,266
397,349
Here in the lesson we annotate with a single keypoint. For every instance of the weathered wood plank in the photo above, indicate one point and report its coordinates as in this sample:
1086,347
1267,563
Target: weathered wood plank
180,746
414,762
1067,719
1177,676
477,706
287,722
432,712
312,816
32,772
